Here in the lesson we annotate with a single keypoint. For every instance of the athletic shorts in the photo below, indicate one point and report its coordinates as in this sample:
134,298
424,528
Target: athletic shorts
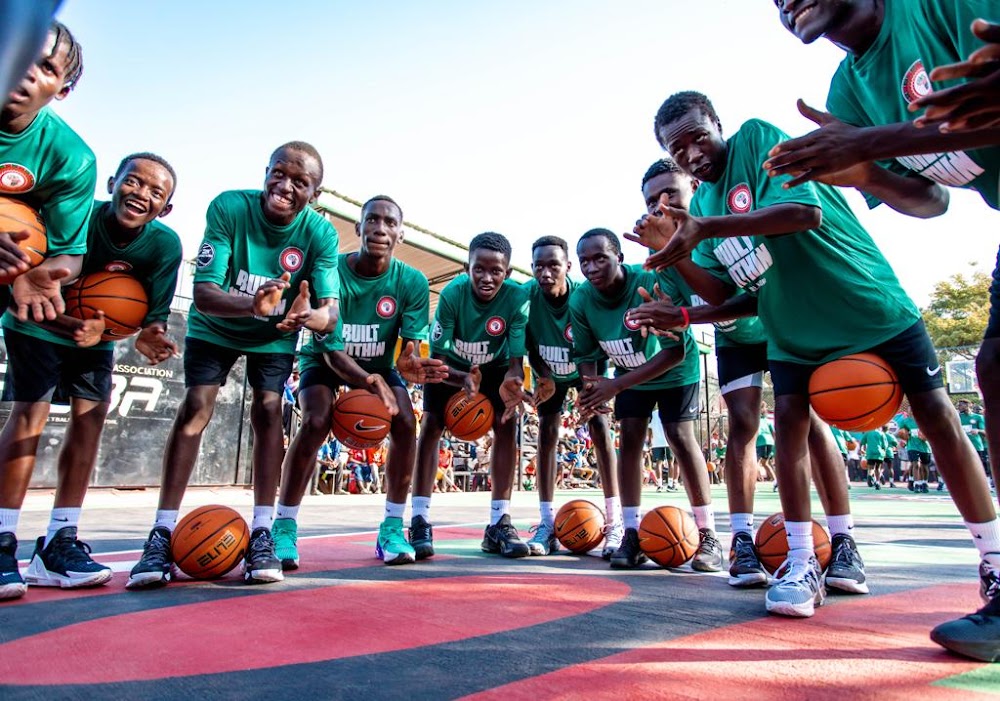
676,404
765,452
919,455
206,363
993,328
874,463
437,394
663,454
323,375
910,353
42,371
737,362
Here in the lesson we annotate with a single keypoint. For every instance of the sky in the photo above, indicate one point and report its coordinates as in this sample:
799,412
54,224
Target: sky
525,117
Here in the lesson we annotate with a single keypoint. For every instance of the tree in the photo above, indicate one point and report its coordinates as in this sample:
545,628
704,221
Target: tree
958,313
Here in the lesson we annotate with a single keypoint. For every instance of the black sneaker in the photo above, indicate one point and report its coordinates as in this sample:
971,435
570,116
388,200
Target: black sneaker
421,537
629,555
65,562
261,565
909,485
502,538
976,635
154,567
708,558
846,571
745,569
12,583
989,582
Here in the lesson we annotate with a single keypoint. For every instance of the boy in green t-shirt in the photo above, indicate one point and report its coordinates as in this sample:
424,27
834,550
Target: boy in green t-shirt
479,333
262,254
975,428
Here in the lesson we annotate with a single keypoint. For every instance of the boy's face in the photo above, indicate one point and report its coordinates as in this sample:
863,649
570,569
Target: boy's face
674,189
381,229
291,181
487,270
44,82
598,262
549,265
141,193
810,19
696,144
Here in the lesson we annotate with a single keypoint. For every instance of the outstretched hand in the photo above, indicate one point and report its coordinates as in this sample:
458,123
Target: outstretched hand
300,311
689,233
659,315
39,291
379,387
155,345
267,299
513,395
419,370
653,231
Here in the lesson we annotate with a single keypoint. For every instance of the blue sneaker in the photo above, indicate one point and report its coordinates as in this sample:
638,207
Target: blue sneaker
65,562
543,541
285,532
12,583
797,589
391,546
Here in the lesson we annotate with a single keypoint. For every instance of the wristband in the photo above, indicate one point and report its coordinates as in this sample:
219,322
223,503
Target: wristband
687,317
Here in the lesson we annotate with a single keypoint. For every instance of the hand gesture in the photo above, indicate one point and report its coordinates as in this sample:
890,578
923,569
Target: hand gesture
155,345
88,332
267,299
512,394
545,389
472,380
300,311
659,315
420,371
379,387
689,233
40,292
596,393
653,231
13,261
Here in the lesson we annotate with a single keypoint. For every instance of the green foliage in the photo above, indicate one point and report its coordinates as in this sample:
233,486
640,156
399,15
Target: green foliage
959,311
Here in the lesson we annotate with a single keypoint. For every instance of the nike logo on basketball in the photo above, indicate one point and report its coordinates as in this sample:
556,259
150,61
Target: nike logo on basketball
360,426
935,371
479,415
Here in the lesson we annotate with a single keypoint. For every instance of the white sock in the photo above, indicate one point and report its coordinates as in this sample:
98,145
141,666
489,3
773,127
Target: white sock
498,509
987,539
61,518
800,539
613,509
283,511
841,525
8,520
393,510
548,512
263,517
166,518
632,517
741,523
704,517
420,506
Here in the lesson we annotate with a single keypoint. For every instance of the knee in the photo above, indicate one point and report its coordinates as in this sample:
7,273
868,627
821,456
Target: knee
404,425
316,423
195,412
266,411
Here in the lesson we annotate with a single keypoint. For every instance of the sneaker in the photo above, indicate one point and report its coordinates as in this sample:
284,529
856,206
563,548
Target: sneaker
909,485
502,539
878,487
797,589
421,537
708,558
629,555
745,569
65,562
989,582
672,487
940,486
154,568
12,583
391,546
285,532
544,541
847,570
976,635
261,565
613,534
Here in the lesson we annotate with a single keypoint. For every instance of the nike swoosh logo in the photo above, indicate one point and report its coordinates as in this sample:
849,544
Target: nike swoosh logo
62,520
479,415
935,371
361,426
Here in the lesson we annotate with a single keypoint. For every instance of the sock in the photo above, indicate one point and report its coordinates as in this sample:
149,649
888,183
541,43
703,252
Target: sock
841,525
166,518
987,539
800,539
548,512
704,517
61,518
498,509
741,523
283,511
420,506
613,509
631,514
8,520
263,516
393,510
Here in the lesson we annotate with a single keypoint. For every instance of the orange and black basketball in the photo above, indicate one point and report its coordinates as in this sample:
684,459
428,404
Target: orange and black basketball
360,419
119,295
209,541
772,543
467,418
16,216
668,536
580,526
856,393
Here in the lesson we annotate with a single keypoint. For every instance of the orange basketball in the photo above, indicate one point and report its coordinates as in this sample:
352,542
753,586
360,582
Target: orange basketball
119,295
468,419
772,543
209,541
580,526
668,536
16,216
856,393
360,419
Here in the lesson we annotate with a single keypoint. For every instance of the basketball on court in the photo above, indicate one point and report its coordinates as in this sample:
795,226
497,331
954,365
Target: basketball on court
17,216
120,296
360,419
772,543
668,536
856,393
209,541
468,419
580,526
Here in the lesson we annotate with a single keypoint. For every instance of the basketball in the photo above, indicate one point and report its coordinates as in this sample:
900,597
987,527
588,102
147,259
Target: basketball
856,393
17,216
468,419
209,541
360,419
772,543
668,536
580,526
119,295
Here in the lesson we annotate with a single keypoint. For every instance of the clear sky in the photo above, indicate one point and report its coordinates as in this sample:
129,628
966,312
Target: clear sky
523,117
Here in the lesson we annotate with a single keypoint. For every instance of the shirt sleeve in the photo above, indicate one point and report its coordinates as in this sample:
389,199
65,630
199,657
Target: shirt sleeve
417,308
585,347
67,214
163,280
443,332
212,262
518,325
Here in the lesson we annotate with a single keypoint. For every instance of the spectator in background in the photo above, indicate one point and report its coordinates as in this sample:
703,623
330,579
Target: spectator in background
446,457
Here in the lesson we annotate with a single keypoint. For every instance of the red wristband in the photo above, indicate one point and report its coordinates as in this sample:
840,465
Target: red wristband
687,317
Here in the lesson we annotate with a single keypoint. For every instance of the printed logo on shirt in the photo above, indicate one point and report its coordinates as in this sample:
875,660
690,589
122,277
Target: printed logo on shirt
437,332
291,259
15,178
118,266
915,83
206,254
386,307
746,262
495,326
568,333
740,200
630,324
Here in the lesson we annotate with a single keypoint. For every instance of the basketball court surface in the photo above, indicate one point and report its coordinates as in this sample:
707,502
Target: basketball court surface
469,625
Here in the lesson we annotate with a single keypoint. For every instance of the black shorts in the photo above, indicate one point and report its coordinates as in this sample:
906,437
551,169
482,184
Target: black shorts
663,454
323,375
765,452
874,462
919,456
910,353
437,394
206,363
41,371
676,404
735,362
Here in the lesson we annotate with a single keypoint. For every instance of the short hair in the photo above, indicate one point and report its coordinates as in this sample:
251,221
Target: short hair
491,241
660,167
551,241
305,148
612,239
147,156
74,53
678,105
383,198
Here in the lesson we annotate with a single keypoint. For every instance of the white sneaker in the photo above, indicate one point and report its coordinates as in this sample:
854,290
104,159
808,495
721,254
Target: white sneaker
613,534
797,589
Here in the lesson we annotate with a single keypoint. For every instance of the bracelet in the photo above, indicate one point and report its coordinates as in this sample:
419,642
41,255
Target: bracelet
687,317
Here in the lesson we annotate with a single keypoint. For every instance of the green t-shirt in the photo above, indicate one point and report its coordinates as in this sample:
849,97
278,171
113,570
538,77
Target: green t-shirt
242,250
876,87
600,331
469,332
745,331
823,293
874,443
550,331
839,438
916,442
374,312
153,257
50,168
973,422
890,444
765,432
